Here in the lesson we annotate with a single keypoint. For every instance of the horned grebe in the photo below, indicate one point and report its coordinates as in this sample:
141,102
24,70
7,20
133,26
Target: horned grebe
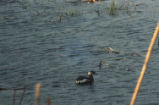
85,80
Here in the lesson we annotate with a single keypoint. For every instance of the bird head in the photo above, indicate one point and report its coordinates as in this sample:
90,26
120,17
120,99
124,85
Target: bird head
91,72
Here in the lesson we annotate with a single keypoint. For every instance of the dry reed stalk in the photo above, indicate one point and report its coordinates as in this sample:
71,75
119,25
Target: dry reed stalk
3,88
144,67
11,89
20,102
48,101
14,94
37,93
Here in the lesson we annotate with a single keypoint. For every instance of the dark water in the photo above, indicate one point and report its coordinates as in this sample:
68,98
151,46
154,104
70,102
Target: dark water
34,47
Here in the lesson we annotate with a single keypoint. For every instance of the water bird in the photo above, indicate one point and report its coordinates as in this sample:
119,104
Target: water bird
100,64
81,80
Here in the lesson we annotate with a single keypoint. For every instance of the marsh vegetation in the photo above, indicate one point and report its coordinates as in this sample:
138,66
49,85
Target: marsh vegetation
53,41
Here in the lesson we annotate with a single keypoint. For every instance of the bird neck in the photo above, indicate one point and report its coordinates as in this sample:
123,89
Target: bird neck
91,77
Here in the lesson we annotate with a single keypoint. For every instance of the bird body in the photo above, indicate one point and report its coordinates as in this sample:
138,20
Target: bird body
85,80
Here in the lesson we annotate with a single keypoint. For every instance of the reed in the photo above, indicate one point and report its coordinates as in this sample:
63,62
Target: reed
20,102
48,101
72,12
37,93
144,67
14,94
112,8
125,5
116,6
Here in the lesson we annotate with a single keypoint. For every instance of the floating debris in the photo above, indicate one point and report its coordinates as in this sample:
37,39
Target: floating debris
111,50
138,4
117,59
91,1
135,54
98,12
4,89
127,68
98,51
59,18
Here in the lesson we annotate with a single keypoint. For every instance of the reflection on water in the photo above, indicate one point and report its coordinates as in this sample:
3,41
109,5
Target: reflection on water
34,47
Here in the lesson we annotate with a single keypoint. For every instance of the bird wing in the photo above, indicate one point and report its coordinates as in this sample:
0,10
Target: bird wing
81,78
83,81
